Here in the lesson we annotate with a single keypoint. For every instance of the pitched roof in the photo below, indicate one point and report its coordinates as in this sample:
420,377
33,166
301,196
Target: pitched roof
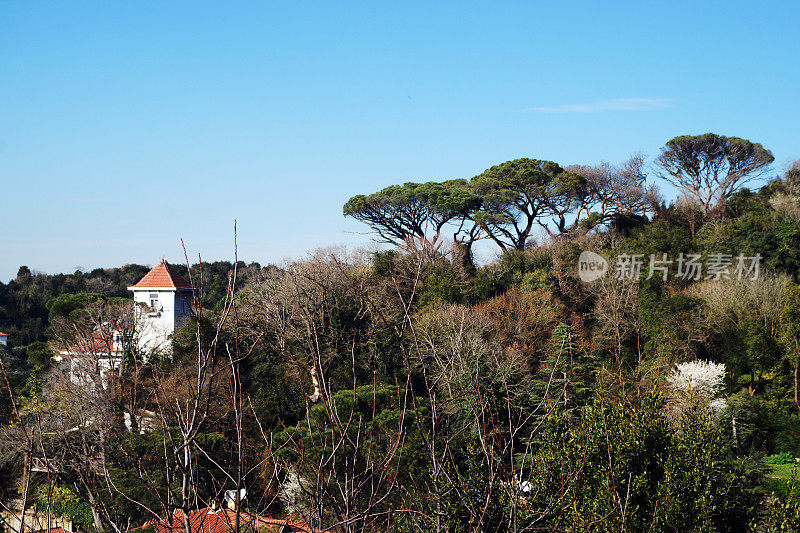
163,275
3,334
53,530
223,521
102,342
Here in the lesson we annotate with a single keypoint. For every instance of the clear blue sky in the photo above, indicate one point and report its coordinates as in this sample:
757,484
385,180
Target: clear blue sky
125,126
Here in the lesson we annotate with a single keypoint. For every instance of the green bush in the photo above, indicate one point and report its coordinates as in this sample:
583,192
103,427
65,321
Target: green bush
783,458
442,284
784,512
383,263
65,503
670,479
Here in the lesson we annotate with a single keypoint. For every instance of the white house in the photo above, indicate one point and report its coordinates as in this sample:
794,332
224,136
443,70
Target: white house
4,339
167,299
163,302
162,305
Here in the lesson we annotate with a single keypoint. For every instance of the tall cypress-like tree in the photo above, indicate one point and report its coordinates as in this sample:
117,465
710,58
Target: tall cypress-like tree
568,372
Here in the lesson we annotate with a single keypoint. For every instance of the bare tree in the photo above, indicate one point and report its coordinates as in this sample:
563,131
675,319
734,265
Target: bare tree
614,190
320,316
100,343
616,310
75,430
18,445
482,396
463,392
315,312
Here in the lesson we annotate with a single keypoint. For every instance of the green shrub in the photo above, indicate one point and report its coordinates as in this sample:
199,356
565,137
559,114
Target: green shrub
65,503
441,285
783,458
784,512
383,263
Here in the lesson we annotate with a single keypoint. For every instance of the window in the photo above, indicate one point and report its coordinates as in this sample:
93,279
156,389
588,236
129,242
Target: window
154,301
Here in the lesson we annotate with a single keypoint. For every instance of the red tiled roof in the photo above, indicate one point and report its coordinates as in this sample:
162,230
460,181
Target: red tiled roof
224,521
163,275
3,334
101,343
53,530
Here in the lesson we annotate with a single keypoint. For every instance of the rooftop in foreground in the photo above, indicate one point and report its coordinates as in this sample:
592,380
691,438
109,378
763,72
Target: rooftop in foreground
223,521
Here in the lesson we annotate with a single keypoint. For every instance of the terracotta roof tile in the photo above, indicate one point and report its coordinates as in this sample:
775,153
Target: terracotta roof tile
53,530
163,275
224,520
101,342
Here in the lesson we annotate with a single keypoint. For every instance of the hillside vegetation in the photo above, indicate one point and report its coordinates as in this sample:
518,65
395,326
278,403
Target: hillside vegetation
413,390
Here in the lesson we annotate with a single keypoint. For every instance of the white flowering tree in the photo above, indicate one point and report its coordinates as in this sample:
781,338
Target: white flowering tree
698,380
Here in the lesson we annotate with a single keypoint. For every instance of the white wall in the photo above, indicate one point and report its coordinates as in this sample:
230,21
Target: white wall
33,520
156,328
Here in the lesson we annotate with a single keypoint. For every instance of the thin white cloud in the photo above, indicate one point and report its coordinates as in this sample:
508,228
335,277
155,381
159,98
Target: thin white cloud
615,104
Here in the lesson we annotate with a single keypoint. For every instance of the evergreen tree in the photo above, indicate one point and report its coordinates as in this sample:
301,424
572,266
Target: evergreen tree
568,373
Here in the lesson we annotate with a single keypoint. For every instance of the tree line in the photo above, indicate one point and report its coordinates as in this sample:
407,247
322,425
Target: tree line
508,202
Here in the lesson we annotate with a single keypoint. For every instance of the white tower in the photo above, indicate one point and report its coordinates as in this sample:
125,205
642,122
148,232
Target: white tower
167,299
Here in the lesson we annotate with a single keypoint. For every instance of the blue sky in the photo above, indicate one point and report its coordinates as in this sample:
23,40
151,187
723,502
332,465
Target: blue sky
126,126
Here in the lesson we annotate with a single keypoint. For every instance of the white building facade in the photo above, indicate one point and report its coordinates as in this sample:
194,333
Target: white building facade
164,302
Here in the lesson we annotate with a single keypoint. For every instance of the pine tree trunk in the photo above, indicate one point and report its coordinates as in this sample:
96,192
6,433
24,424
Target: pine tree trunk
462,259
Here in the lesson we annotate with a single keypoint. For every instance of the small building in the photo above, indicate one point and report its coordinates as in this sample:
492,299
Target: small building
162,304
165,302
103,348
4,339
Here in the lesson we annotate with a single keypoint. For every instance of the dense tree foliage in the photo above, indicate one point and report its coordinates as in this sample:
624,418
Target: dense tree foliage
521,193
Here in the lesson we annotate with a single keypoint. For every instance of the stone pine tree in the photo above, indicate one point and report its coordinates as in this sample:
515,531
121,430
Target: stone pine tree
709,168
413,215
521,194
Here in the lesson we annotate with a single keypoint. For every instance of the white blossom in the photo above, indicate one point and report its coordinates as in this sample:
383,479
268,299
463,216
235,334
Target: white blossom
698,377
718,405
